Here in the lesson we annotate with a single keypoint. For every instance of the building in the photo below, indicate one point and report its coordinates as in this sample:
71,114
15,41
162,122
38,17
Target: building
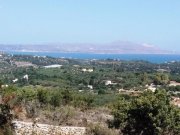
108,82
174,83
90,87
53,66
176,101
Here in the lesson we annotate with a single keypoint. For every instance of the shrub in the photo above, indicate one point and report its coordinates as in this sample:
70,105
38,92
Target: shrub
100,130
6,127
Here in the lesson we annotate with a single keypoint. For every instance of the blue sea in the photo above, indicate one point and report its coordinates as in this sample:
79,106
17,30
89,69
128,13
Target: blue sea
154,58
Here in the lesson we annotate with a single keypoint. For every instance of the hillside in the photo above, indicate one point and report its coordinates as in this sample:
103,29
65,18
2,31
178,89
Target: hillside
94,94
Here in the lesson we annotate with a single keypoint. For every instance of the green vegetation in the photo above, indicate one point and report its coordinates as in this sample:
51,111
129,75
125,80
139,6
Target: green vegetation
108,96
150,113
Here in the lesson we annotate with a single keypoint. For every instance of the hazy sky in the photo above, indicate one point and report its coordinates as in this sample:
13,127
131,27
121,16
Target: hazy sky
92,21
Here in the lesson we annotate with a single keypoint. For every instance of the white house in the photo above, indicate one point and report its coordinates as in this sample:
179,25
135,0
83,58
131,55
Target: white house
81,90
87,70
26,77
15,80
176,101
108,82
53,66
152,87
90,70
90,87
174,83
84,70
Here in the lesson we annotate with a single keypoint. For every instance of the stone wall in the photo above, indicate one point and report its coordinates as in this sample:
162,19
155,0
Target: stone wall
29,128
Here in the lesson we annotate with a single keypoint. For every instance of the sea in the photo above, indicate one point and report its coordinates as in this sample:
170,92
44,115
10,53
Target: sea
153,58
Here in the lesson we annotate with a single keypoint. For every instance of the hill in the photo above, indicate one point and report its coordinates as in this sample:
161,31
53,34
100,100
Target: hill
119,47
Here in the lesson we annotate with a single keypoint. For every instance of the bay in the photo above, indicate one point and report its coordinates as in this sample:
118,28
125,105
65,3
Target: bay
154,58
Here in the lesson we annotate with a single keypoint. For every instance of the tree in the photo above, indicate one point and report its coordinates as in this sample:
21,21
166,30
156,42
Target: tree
43,96
150,113
1,83
161,79
56,99
144,78
91,82
5,115
6,126
101,91
66,97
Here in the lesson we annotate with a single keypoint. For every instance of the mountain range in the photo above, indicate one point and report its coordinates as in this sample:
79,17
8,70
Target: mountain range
118,47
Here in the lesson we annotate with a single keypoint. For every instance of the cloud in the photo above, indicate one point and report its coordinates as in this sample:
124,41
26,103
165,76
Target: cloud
148,45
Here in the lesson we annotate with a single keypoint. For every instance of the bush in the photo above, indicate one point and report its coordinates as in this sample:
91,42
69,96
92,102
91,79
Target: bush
100,130
101,92
56,99
31,109
63,115
43,96
6,127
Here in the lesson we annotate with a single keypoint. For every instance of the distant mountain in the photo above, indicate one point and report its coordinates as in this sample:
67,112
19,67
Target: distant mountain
118,47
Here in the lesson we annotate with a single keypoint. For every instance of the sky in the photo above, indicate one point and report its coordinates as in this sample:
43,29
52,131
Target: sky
155,22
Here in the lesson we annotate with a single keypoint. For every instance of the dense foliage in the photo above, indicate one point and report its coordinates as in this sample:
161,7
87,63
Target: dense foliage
149,114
